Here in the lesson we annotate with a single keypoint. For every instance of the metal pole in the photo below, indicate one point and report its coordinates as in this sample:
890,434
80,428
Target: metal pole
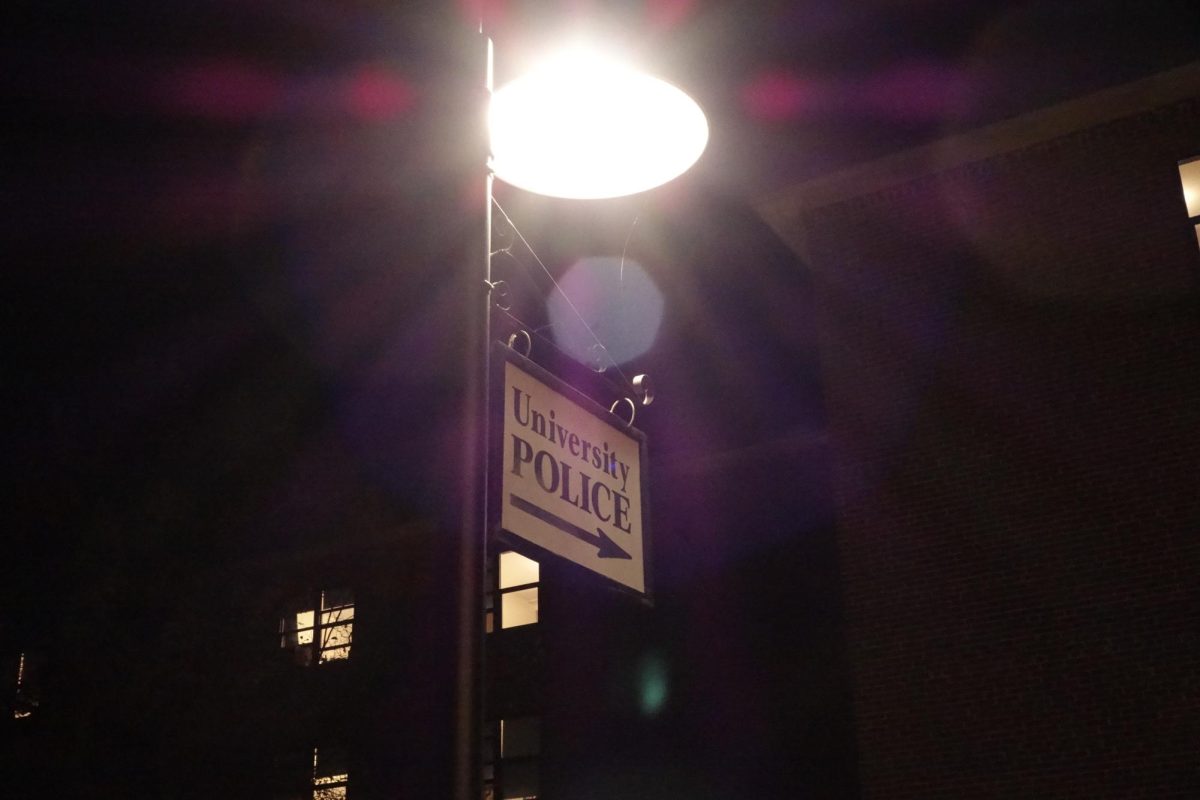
472,539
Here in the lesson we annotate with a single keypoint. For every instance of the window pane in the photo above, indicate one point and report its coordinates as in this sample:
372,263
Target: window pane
519,608
516,570
1189,176
336,641
338,599
343,614
337,635
329,766
520,737
520,780
296,629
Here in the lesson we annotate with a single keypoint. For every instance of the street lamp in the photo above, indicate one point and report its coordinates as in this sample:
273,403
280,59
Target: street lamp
582,125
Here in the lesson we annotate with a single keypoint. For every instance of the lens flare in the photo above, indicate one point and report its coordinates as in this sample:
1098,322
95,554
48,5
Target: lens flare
653,684
619,303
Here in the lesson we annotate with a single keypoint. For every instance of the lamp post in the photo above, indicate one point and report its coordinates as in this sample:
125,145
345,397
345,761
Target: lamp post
582,125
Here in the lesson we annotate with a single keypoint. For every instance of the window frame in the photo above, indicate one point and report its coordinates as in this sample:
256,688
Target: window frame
498,767
23,684
324,787
524,760
494,596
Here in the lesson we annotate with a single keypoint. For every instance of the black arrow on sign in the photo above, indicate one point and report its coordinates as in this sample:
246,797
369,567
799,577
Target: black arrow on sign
606,546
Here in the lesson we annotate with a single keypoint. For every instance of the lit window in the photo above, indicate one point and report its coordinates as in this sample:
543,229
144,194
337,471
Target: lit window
517,588
26,695
322,626
1189,177
520,746
330,777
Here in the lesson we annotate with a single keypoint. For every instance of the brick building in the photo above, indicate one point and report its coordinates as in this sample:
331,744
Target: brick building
1010,336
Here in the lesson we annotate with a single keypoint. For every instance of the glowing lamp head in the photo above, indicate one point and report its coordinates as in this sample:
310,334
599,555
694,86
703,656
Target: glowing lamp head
585,127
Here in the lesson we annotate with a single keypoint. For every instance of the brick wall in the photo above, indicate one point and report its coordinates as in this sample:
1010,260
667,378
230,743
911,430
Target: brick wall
1011,350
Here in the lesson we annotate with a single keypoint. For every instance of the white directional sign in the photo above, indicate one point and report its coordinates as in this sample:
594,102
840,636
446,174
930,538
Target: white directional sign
570,475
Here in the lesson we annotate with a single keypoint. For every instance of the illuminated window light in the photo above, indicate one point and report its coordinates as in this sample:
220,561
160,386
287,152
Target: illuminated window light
1189,179
26,693
518,588
331,625
329,782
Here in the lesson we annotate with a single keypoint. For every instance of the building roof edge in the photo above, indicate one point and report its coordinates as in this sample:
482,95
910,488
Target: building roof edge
780,209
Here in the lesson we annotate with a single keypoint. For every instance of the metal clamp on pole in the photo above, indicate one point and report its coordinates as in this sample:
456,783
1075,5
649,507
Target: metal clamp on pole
632,409
521,336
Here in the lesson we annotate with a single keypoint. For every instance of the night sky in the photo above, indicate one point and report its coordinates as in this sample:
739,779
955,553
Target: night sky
217,211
